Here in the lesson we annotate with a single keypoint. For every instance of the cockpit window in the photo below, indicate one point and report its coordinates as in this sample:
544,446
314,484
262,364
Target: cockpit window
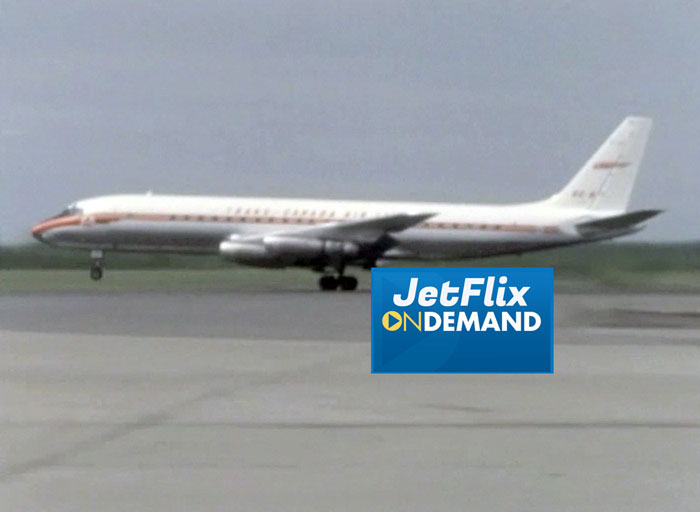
71,210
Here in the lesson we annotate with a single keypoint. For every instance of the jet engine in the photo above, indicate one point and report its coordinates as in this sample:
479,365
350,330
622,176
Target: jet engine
281,251
248,253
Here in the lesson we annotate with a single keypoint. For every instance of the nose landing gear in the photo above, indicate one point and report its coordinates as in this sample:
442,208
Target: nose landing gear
96,272
96,268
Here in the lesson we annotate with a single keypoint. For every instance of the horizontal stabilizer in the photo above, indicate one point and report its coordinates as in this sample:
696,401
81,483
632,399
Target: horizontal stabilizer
617,222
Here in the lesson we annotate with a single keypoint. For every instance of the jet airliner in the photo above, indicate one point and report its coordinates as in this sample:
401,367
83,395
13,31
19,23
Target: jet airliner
328,236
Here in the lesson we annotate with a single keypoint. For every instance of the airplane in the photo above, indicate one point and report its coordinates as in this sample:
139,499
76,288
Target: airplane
328,235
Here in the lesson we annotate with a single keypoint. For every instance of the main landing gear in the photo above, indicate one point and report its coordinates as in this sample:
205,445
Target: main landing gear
345,283
96,268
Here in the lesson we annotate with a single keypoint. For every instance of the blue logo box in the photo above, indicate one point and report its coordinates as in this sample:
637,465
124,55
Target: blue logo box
462,320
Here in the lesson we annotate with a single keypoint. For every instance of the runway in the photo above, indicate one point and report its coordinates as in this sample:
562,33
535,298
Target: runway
264,401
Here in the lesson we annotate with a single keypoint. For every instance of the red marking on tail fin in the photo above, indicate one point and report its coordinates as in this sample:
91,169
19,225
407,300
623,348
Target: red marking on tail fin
610,164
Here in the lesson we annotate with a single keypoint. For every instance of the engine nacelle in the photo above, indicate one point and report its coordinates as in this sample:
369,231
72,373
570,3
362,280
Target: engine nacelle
309,249
281,251
248,254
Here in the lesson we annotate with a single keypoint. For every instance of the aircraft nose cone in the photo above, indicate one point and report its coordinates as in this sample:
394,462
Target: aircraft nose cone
48,230
38,231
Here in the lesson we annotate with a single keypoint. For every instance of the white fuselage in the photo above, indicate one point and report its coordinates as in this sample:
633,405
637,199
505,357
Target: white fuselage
194,224
329,234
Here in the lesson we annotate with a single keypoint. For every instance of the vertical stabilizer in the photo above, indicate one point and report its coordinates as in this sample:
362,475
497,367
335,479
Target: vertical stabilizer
605,182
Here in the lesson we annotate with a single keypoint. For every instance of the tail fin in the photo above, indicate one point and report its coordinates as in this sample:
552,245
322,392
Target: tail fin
606,181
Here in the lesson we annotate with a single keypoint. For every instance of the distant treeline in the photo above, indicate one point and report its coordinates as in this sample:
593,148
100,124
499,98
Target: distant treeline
584,260
39,256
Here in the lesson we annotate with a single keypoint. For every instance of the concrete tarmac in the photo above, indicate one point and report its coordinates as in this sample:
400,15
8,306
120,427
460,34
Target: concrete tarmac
264,401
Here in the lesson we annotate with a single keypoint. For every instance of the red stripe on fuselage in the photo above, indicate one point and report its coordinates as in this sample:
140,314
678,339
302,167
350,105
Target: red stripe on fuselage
106,218
70,220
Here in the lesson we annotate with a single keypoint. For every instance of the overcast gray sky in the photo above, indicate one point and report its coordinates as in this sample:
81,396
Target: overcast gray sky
456,101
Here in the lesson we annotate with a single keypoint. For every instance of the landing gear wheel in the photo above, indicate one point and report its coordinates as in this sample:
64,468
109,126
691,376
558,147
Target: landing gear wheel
95,273
328,283
347,283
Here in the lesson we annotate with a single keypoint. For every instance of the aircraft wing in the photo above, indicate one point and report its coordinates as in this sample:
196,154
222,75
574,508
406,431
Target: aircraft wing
351,240
361,231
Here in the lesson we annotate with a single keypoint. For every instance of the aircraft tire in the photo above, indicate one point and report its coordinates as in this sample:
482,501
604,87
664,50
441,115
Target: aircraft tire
328,283
96,273
348,283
